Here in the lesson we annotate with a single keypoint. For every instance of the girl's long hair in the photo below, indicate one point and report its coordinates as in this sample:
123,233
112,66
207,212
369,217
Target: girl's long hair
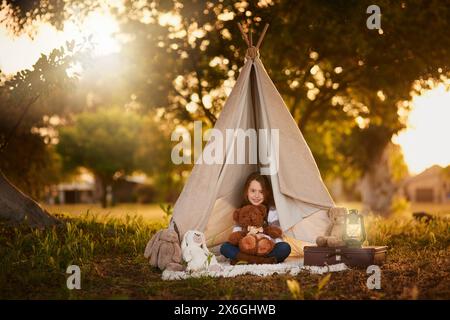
266,188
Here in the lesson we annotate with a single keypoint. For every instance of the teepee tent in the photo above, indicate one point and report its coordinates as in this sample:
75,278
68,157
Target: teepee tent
214,189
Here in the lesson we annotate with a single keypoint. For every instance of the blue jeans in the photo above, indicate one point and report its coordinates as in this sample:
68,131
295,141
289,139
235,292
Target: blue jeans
281,251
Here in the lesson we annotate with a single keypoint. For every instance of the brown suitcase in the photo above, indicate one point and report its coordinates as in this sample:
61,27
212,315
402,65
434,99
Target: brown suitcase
352,257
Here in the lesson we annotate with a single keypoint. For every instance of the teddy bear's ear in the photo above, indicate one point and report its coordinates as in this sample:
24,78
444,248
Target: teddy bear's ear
337,212
263,210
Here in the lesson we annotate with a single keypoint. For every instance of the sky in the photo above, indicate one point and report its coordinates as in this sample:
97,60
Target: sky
424,142
18,53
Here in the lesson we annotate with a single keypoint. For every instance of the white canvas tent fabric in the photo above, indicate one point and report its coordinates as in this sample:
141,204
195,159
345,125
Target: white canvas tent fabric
213,191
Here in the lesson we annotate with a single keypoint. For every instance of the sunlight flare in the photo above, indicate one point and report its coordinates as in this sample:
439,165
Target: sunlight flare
20,52
425,140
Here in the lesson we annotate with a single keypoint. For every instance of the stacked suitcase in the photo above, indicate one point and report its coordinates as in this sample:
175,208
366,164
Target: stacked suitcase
352,257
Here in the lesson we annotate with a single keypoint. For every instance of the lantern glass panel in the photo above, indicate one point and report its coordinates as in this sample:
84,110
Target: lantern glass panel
354,230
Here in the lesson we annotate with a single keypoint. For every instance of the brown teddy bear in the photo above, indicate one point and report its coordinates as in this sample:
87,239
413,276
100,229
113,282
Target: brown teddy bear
334,235
253,238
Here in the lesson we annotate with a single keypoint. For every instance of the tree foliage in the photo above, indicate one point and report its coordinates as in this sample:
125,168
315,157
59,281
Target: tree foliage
344,84
32,101
329,67
103,141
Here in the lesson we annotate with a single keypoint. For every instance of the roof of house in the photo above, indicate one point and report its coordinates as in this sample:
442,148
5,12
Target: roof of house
433,171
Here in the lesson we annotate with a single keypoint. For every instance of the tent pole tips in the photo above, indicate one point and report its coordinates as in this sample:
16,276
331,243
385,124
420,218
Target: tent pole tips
261,37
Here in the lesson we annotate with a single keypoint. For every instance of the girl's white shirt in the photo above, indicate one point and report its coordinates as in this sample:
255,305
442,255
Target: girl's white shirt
272,219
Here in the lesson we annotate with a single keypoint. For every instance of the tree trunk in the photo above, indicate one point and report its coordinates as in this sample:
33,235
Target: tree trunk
18,207
377,186
104,196
104,186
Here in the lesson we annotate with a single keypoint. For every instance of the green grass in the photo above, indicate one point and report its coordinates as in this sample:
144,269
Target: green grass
407,208
149,212
109,251
37,259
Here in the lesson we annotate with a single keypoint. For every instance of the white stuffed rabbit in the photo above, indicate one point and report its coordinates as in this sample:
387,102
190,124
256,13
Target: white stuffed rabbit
196,254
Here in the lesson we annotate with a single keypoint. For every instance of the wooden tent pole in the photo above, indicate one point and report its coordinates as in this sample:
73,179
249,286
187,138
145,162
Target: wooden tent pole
243,34
261,37
253,90
253,87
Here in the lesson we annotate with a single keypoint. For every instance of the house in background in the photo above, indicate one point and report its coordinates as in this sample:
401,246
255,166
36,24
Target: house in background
431,185
81,189
126,189
75,192
84,189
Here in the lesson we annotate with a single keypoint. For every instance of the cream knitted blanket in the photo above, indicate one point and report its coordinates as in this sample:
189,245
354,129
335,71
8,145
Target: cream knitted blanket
290,266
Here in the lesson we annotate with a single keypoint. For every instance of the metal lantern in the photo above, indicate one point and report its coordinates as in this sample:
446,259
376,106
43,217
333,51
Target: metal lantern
355,233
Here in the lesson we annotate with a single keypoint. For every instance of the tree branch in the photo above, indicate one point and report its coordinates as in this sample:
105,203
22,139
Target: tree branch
19,121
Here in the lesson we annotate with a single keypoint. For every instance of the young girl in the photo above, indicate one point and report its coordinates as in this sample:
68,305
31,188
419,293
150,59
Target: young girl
257,191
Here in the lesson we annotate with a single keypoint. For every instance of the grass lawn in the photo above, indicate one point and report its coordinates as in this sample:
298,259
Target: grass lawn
437,209
150,212
109,247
